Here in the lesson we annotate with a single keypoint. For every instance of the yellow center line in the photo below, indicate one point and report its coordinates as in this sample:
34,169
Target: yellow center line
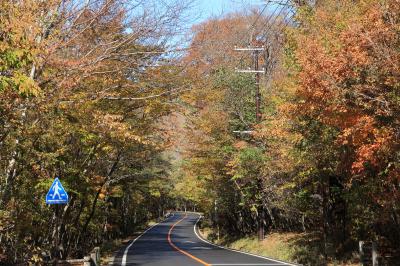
180,250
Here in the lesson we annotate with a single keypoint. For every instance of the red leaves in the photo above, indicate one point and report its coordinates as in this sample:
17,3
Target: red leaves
348,69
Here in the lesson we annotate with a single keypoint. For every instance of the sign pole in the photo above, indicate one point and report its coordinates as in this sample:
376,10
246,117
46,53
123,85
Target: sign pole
57,196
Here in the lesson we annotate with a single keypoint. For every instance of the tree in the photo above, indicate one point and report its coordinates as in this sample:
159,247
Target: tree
340,61
80,98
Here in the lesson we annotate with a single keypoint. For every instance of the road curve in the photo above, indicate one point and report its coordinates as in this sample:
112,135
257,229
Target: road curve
175,242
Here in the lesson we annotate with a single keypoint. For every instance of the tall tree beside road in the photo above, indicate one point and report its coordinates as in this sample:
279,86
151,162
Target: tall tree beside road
82,87
227,166
327,149
344,67
89,91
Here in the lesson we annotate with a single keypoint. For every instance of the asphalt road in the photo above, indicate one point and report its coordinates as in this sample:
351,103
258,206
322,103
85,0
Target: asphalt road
175,242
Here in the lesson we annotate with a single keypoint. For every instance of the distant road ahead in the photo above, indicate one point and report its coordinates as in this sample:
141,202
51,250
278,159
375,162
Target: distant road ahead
175,242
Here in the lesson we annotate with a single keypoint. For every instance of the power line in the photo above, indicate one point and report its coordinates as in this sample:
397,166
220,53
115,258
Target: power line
270,20
269,24
272,15
256,52
283,24
255,22
259,14
256,70
279,27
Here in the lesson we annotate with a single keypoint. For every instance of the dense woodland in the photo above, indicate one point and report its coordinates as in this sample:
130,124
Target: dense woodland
90,92
83,85
325,158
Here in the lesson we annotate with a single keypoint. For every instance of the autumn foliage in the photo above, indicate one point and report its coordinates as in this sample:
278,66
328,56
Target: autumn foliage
325,159
83,85
91,91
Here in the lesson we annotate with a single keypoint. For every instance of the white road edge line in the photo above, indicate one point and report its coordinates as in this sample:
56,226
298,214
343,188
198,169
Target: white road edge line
241,264
123,263
238,251
245,264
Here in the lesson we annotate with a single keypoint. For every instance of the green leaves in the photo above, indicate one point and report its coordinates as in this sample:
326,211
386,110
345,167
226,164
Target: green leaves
25,86
21,84
14,58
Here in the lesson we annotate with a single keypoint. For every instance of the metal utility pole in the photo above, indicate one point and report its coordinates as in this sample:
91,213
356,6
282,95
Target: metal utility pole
256,52
256,70
258,97
216,217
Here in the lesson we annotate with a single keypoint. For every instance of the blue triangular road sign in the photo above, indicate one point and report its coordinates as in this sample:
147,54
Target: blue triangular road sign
57,194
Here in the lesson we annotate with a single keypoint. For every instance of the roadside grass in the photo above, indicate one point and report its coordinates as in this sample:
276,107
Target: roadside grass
299,248
275,246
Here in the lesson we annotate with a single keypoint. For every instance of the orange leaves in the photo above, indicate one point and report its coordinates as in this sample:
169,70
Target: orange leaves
213,42
118,128
347,78
374,152
336,61
361,138
359,132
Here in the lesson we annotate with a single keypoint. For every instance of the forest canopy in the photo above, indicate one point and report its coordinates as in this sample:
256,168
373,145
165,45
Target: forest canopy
136,121
325,158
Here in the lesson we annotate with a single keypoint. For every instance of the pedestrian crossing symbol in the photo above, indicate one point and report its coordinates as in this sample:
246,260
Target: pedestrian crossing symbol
57,193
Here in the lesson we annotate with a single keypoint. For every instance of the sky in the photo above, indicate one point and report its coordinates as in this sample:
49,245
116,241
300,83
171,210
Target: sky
209,8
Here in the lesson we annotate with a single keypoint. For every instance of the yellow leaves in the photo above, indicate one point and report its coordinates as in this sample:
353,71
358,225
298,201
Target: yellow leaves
107,148
137,138
288,185
118,128
25,85
231,166
155,187
147,109
97,179
116,191
212,121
